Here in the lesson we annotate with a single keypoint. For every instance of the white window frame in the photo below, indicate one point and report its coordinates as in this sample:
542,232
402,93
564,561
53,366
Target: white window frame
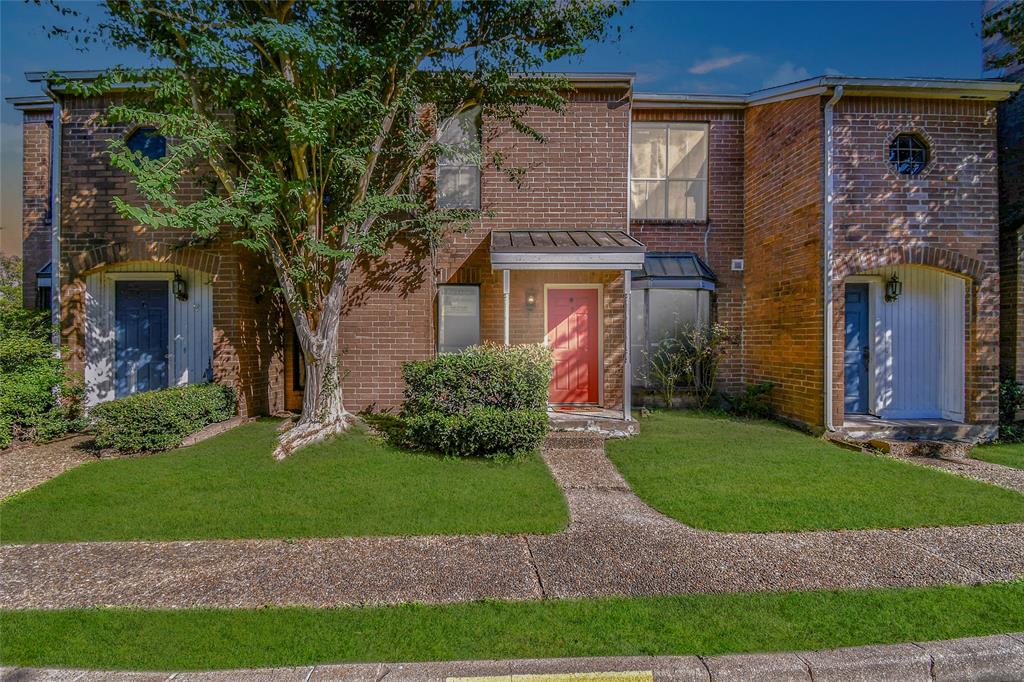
456,165
667,181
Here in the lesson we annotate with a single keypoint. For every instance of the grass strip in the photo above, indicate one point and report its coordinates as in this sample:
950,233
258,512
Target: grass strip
192,639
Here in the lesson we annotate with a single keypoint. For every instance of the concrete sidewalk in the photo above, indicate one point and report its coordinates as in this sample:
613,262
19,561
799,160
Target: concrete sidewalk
999,657
614,545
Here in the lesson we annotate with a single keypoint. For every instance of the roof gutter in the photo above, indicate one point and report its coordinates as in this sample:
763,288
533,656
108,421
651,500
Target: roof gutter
827,259
55,236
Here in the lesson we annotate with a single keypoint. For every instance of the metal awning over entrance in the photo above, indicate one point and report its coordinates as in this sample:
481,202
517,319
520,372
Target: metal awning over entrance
677,270
565,250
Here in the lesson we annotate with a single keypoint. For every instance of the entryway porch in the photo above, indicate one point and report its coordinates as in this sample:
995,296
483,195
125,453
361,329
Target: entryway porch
570,290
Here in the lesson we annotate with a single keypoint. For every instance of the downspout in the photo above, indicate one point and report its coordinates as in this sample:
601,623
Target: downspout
55,159
627,277
829,198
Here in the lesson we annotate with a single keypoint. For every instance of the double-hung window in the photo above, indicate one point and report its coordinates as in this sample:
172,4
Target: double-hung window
458,165
669,171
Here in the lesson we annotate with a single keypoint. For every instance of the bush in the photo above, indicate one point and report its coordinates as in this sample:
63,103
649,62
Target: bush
480,432
755,401
1011,402
39,399
158,420
486,401
689,356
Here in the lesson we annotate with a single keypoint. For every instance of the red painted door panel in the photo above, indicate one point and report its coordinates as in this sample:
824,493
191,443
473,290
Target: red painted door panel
573,337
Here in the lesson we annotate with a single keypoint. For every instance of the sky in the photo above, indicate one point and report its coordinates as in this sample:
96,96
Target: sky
697,47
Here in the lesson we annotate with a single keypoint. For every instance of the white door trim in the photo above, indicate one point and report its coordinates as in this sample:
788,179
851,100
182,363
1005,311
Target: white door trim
600,331
875,287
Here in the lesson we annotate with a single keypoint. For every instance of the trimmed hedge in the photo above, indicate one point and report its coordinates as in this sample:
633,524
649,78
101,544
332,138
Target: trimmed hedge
480,432
487,401
159,420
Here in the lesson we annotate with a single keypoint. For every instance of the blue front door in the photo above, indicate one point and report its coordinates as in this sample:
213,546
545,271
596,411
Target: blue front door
857,352
140,323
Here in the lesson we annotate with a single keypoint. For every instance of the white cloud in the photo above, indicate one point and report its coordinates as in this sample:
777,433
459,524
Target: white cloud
829,71
717,63
786,73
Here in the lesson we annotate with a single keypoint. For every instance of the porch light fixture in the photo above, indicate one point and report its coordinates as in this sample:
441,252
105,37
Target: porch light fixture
893,288
531,300
179,287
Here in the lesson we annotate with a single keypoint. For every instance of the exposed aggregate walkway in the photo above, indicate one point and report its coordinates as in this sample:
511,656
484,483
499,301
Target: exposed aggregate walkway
26,467
614,545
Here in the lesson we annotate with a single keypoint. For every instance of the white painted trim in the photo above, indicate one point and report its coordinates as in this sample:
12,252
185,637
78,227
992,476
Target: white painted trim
566,261
600,331
506,292
627,365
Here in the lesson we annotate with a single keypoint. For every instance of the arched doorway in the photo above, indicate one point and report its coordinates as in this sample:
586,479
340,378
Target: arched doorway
904,355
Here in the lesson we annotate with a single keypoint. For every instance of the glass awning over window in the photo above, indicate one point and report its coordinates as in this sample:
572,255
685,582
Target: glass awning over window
674,270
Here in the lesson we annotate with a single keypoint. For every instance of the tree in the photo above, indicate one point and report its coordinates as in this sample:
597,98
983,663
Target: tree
1009,23
315,120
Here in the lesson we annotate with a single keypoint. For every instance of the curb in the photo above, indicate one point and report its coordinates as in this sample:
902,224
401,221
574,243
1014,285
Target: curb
996,657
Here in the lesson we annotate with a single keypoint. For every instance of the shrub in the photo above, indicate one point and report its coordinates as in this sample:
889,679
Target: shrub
1011,401
158,420
755,401
480,432
690,356
39,399
513,378
486,401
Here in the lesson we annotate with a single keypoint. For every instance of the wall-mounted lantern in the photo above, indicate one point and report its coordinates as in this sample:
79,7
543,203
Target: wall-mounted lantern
179,288
893,288
531,300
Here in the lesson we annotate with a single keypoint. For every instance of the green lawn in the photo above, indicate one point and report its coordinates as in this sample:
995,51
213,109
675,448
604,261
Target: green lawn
1008,454
231,487
699,624
733,475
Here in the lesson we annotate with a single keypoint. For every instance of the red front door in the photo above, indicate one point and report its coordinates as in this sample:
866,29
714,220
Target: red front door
573,337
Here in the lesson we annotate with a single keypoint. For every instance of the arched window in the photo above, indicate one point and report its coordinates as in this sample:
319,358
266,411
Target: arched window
908,154
148,142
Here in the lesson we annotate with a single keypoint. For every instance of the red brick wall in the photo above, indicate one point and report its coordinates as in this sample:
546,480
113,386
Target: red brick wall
576,180
1011,213
1011,309
246,317
35,202
783,248
946,217
724,226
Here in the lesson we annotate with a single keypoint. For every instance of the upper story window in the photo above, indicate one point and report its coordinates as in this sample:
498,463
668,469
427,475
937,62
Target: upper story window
148,142
908,154
458,168
670,171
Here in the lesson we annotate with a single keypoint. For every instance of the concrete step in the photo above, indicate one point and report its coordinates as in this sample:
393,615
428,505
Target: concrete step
946,449
910,431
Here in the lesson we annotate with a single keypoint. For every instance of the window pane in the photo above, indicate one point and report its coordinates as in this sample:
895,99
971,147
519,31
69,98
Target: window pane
672,312
458,187
648,198
458,317
688,151
637,337
463,134
648,152
687,199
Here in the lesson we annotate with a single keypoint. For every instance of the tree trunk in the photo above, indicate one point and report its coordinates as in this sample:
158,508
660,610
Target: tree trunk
323,411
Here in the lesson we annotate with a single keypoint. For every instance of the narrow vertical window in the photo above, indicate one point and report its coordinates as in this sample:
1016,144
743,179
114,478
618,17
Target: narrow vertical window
669,171
458,166
458,317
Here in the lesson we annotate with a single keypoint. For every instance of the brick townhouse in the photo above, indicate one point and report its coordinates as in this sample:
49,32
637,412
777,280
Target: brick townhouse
1011,203
845,230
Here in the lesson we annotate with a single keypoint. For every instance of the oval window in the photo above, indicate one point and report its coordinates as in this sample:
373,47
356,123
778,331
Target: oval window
908,154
